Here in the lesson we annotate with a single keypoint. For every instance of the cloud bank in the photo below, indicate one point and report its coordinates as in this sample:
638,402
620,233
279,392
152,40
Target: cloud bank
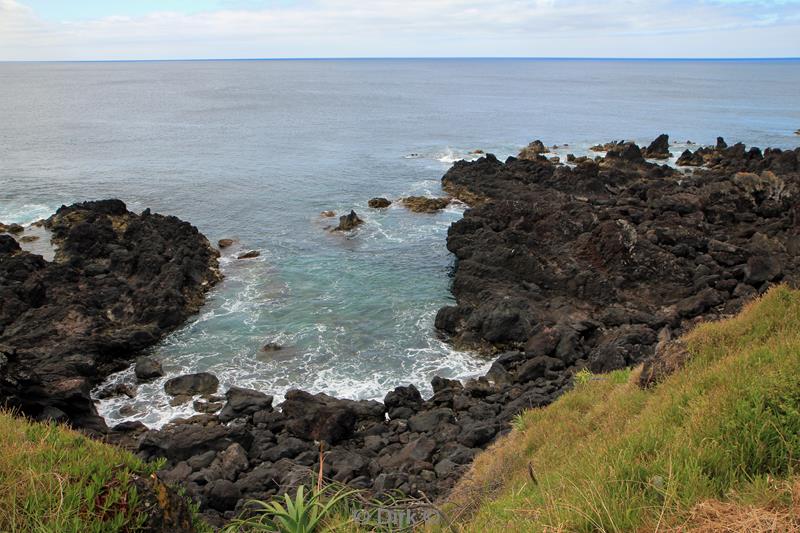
416,28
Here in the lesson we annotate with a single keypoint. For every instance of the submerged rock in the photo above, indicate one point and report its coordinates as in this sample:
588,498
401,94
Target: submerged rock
249,255
328,214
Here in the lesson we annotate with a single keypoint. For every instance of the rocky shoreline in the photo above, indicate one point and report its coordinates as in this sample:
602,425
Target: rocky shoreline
119,283
559,268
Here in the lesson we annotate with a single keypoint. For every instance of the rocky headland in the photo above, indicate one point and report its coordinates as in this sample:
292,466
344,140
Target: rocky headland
118,284
558,268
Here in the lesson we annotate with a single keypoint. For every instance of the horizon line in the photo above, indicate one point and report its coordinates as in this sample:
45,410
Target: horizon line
406,58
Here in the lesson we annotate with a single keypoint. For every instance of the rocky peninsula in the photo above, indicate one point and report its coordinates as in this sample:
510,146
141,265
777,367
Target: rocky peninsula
118,284
558,268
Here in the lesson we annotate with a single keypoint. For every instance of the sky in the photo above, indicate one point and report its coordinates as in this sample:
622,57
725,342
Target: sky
225,29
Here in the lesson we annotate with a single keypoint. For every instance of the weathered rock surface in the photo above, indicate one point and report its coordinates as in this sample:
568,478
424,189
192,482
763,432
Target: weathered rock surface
119,283
379,203
587,264
348,222
192,384
659,148
533,150
423,204
147,368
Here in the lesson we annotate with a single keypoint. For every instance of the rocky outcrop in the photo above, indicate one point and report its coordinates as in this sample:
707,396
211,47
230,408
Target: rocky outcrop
423,204
348,222
587,264
659,148
533,150
119,283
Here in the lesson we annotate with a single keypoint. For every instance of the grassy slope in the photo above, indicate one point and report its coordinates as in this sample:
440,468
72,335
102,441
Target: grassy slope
55,479
715,446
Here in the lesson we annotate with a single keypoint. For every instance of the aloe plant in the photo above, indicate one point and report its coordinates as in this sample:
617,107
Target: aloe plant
301,514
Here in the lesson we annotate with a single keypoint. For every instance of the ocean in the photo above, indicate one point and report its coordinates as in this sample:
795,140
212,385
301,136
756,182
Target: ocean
255,150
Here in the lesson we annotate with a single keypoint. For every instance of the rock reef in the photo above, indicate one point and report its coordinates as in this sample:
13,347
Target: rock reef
120,281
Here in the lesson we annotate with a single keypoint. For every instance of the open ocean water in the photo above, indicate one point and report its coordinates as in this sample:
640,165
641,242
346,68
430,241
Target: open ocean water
255,150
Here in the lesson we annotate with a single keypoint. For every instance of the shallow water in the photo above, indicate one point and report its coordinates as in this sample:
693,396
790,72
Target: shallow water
255,150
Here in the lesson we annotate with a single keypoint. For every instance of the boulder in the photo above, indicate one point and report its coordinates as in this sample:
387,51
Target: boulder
348,222
761,268
379,203
8,245
323,418
533,150
429,421
225,243
222,495
244,402
192,384
147,368
403,402
249,255
659,148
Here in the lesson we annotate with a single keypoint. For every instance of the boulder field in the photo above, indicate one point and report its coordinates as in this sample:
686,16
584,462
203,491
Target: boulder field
119,283
558,268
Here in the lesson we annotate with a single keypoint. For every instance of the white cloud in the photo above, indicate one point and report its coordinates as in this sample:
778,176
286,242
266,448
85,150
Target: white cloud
329,28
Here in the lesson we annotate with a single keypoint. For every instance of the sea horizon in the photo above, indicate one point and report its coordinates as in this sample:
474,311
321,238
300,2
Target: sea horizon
416,58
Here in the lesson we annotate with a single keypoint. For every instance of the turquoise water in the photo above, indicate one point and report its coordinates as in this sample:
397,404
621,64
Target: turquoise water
255,150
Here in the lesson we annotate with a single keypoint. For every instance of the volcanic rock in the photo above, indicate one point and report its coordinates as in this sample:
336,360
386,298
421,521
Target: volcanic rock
533,150
348,222
68,328
379,203
147,368
659,148
423,204
191,384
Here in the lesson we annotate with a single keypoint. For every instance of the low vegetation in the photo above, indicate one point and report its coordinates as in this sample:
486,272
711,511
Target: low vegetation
56,480
714,447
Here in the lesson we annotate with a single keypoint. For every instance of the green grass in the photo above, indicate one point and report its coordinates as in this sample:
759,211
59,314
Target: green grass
53,479
608,456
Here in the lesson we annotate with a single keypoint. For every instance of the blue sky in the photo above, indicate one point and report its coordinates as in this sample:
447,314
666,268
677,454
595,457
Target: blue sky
177,29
